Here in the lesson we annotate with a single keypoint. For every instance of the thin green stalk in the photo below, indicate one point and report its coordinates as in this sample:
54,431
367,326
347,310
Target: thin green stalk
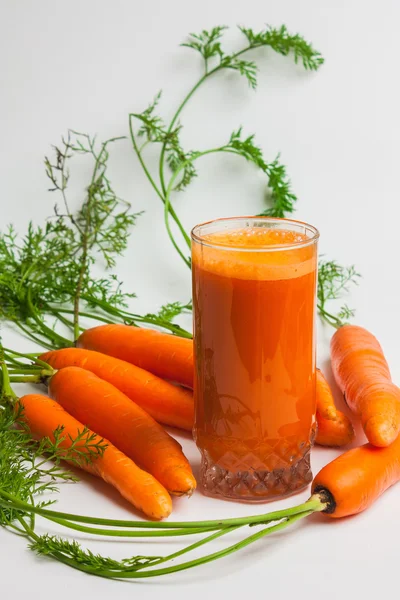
51,334
143,572
150,178
169,190
329,318
6,388
217,555
26,370
26,379
128,533
29,355
32,355
185,259
125,316
56,313
143,164
33,337
85,314
29,376
182,106
171,125
314,504
194,546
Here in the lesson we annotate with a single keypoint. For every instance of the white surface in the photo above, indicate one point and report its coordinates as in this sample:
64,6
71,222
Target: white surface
85,65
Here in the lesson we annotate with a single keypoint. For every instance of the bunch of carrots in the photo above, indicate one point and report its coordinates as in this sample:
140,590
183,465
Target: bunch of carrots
124,383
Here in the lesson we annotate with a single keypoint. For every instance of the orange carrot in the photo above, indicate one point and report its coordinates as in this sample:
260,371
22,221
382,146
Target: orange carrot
166,403
363,375
165,355
43,416
354,480
334,428
111,414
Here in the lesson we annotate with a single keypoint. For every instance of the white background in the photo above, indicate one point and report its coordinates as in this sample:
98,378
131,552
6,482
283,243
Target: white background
86,64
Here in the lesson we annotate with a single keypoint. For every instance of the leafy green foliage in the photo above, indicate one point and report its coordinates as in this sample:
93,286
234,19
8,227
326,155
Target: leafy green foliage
170,311
282,42
29,468
54,263
334,280
208,43
154,130
167,314
282,198
48,545
103,222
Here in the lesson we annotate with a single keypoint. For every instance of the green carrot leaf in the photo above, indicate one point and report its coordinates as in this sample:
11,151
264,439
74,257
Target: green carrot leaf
334,280
282,42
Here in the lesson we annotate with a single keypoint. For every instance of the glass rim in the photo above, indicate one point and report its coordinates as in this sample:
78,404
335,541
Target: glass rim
267,248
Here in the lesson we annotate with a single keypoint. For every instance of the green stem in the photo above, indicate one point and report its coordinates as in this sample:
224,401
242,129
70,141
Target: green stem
26,379
148,175
67,322
217,555
6,388
315,504
125,316
171,125
132,534
33,337
194,546
143,164
30,356
82,314
50,333
143,572
182,106
329,318
167,203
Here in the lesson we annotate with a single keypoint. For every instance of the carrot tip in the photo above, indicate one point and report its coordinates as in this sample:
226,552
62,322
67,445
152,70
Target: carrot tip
379,432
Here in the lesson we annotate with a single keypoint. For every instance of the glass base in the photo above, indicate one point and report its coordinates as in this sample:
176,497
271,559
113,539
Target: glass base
254,485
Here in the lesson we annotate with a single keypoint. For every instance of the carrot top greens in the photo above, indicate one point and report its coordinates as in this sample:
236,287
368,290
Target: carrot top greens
47,279
334,280
48,272
30,470
182,163
48,284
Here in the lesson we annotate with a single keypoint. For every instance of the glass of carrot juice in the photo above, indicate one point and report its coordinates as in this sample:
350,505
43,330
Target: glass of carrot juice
254,296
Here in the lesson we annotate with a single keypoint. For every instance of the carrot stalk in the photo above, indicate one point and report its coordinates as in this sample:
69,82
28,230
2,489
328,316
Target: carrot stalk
363,375
334,427
44,416
165,355
111,414
166,403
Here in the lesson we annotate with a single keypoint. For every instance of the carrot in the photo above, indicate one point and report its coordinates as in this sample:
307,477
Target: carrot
166,403
165,355
363,375
334,427
357,478
111,414
43,416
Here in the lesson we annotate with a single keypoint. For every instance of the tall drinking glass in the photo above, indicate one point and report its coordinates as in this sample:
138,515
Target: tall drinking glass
254,295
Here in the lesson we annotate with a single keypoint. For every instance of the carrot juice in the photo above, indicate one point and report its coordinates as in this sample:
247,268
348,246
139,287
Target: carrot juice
254,295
